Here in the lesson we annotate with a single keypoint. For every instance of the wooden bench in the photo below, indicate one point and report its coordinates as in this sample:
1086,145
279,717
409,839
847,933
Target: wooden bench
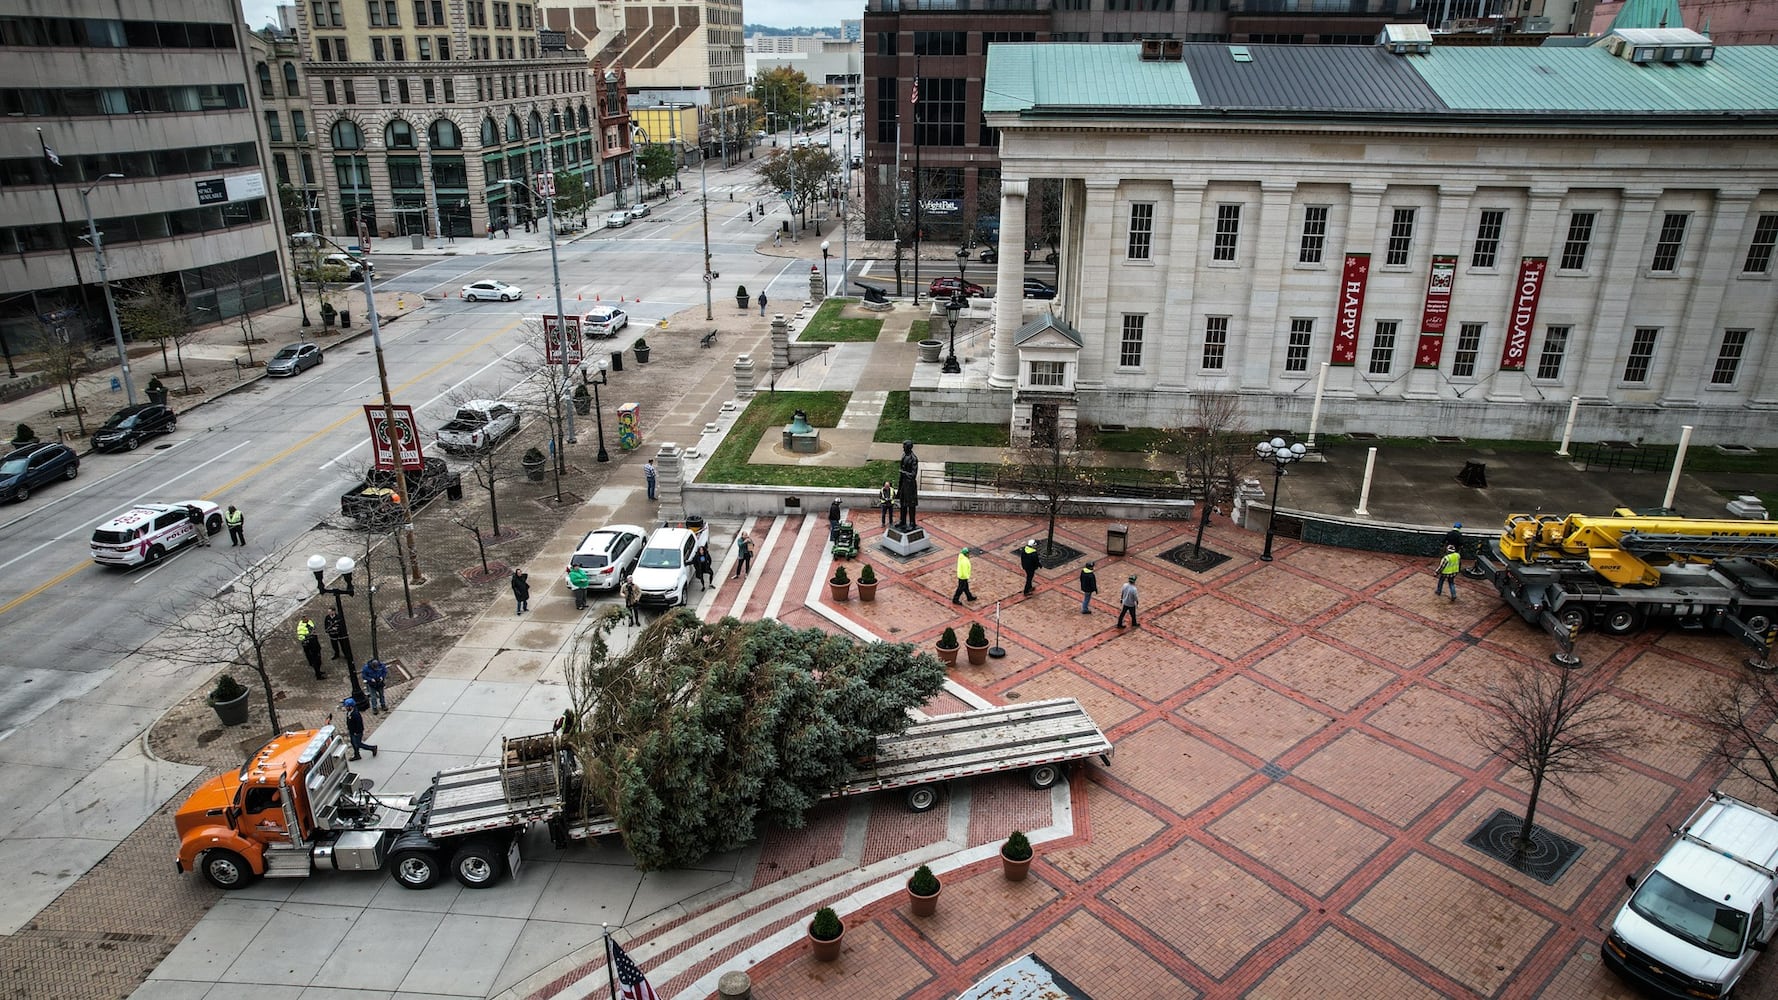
708,339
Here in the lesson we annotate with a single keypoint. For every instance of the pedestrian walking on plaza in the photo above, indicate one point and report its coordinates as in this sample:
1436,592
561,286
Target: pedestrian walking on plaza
196,517
1447,572
355,729
237,526
1454,537
964,570
1030,561
1089,585
633,600
886,500
762,292
579,579
703,567
1128,604
335,627
833,521
376,678
521,591
744,556
648,475
310,639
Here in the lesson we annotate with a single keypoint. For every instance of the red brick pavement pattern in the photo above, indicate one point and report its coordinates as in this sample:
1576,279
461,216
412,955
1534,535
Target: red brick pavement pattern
896,831
783,853
1002,803
1337,870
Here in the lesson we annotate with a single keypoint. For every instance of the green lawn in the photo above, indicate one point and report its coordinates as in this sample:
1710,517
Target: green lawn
829,327
917,330
767,414
895,425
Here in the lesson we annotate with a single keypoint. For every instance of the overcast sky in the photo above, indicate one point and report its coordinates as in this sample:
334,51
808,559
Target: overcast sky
777,13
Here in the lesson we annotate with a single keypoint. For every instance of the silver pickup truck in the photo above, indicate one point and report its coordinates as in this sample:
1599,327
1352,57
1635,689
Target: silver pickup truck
478,425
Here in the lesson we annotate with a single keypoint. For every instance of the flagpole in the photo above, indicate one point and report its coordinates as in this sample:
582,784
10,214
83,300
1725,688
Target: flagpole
610,962
52,160
918,139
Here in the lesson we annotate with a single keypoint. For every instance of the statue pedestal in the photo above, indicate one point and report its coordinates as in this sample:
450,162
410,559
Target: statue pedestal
906,542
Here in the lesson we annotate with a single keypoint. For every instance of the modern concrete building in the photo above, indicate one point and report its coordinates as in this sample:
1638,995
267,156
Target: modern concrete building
670,52
1459,240
834,66
149,117
422,109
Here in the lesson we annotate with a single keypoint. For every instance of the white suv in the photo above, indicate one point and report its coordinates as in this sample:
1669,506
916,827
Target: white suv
664,571
149,531
608,555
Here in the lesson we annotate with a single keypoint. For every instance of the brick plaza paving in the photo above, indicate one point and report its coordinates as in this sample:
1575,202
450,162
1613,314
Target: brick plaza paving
1286,810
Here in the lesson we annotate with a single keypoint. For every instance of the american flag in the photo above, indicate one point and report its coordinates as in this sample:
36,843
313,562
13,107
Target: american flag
916,99
634,983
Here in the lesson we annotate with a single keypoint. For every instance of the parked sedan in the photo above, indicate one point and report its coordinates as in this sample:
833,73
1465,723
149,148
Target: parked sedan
35,465
1035,289
639,210
129,426
617,219
476,291
293,359
946,287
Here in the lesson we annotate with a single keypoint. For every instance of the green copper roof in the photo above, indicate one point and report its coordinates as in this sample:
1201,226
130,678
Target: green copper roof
1066,74
1648,14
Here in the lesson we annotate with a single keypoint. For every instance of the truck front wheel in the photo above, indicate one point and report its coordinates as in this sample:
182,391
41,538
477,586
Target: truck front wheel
476,865
226,869
1621,619
415,869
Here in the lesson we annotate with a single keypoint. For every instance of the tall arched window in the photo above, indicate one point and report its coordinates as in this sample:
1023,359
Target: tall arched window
536,125
291,88
265,80
512,127
585,122
443,134
555,122
490,132
398,135
347,135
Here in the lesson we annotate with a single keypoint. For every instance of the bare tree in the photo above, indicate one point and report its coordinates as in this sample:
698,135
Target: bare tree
1051,475
151,310
544,390
1741,720
490,466
236,624
1551,724
1213,453
64,361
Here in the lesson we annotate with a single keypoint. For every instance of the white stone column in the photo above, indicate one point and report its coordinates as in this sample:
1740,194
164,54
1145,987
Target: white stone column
1251,350
1099,232
1009,288
1180,272
1685,356
670,482
744,379
1599,363
1540,239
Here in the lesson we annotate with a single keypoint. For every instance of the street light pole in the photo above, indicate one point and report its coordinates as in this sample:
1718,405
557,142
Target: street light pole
555,270
709,278
953,309
345,566
98,242
1280,455
826,282
598,408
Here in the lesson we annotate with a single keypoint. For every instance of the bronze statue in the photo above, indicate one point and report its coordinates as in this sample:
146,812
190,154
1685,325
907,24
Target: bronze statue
909,494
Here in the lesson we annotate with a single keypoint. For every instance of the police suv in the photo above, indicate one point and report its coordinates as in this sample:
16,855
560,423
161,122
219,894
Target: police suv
146,532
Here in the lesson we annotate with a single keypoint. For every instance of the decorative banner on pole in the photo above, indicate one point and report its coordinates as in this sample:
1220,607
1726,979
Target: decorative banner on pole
1437,311
1352,283
552,340
398,445
1526,292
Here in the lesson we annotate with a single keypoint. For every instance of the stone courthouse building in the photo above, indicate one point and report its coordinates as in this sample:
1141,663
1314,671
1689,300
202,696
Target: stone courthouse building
1464,237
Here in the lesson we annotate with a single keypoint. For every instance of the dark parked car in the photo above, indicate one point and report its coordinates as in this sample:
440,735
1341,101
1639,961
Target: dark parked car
1035,289
292,359
33,466
946,287
130,426
989,255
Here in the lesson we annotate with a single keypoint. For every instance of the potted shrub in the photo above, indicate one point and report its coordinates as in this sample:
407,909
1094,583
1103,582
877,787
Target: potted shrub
583,400
923,892
641,348
229,699
947,646
345,315
1015,857
867,583
825,933
328,313
533,462
978,644
841,584
741,298
23,436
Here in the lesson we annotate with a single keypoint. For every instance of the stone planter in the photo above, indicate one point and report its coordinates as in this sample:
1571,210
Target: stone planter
923,906
534,469
978,655
929,350
842,592
867,591
642,354
1015,871
948,655
233,712
827,951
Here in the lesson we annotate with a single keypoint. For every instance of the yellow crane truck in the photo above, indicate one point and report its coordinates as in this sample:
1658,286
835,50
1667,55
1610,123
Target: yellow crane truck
1621,572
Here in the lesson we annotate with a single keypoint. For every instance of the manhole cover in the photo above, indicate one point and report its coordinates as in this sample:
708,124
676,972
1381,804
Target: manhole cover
1274,772
1191,557
1545,858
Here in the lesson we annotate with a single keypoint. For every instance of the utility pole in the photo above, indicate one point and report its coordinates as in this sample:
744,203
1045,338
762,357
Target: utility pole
709,279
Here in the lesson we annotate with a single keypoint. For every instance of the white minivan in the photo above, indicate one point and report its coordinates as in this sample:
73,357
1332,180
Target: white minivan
664,571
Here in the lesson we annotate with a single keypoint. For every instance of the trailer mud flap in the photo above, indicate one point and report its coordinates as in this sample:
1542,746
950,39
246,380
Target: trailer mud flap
513,857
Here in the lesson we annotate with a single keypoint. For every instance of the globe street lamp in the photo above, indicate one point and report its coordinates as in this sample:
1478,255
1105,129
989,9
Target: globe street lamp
598,411
953,309
826,285
344,567
1280,455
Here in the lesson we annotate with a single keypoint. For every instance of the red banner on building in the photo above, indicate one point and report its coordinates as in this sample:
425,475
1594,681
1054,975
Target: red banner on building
394,445
1526,292
552,340
1436,312
1352,284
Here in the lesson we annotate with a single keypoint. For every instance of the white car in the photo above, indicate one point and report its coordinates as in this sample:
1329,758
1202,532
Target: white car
664,571
617,219
640,210
476,291
146,532
604,321
608,555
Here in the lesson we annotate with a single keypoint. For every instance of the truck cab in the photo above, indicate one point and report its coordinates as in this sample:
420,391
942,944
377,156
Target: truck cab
1697,920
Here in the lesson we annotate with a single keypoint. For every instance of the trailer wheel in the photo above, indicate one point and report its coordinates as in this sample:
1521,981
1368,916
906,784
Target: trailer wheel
415,869
1572,619
1621,619
1043,775
476,865
921,798
1758,624
227,870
